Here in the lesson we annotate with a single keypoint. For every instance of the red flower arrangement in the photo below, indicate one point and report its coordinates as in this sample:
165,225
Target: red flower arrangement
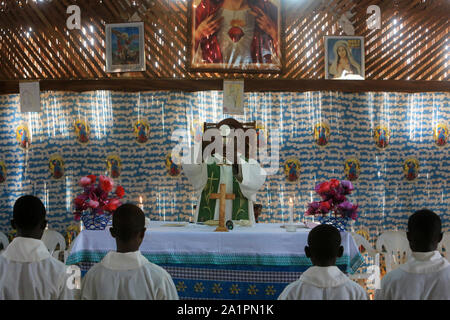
333,194
96,198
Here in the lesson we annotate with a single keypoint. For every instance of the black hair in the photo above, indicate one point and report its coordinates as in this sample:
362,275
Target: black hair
28,212
424,226
324,242
128,221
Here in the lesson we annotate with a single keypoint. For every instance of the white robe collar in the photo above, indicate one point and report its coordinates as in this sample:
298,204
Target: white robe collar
425,262
23,249
324,277
124,261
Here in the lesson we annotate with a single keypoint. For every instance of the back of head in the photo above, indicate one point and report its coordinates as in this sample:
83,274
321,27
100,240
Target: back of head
29,213
231,122
424,230
128,222
257,206
324,242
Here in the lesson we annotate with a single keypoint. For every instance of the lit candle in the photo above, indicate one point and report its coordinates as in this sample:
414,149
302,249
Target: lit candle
291,211
25,174
141,204
45,196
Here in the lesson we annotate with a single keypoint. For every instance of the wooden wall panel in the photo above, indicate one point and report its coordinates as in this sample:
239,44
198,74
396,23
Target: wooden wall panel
35,43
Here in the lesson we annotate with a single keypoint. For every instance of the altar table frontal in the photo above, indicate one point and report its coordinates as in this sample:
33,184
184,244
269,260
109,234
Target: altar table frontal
246,263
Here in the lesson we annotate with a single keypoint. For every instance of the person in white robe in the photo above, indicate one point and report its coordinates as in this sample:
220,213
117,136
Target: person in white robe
242,175
125,274
244,184
426,274
324,281
27,270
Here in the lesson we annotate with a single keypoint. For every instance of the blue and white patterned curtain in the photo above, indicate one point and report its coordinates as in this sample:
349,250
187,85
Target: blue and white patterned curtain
385,195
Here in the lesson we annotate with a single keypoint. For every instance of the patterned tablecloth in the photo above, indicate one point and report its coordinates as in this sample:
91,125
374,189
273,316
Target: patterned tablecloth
246,263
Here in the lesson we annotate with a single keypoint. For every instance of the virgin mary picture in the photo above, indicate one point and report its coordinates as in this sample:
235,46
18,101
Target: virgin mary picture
56,166
23,136
235,35
3,172
344,58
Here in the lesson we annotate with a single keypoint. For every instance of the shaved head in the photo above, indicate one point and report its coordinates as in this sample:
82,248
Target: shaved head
324,242
128,222
424,230
28,213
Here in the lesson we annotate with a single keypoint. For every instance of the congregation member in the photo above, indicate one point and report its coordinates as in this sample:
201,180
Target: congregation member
27,270
125,274
323,281
426,274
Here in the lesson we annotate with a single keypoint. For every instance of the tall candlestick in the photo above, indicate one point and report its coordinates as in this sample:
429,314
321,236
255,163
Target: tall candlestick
291,211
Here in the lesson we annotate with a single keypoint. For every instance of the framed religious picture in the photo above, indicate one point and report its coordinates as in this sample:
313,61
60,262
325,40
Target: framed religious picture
56,166
233,97
3,172
238,38
344,57
125,50
30,99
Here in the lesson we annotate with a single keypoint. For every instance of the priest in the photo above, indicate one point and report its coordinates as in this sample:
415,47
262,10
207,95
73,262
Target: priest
242,175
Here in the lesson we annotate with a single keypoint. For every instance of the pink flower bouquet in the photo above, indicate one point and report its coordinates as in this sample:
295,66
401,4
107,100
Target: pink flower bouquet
334,201
96,199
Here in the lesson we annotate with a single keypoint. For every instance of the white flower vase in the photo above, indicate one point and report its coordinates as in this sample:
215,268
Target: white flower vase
339,222
94,221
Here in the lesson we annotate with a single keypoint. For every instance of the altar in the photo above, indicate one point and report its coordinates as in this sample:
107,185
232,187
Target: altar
219,265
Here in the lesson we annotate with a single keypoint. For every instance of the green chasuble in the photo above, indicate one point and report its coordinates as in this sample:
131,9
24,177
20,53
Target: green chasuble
208,205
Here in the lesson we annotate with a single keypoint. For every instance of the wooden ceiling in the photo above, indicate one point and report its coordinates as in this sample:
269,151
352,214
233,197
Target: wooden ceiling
35,43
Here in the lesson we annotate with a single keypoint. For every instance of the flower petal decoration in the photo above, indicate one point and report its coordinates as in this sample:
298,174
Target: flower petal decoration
92,177
354,212
92,204
106,184
312,208
347,186
120,192
347,210
84,182
324,187
80,202
96,198
334,183
325,206
112,205
333,194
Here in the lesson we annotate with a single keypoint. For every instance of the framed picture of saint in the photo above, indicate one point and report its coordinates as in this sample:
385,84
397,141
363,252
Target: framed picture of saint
125,50
344,57
238,36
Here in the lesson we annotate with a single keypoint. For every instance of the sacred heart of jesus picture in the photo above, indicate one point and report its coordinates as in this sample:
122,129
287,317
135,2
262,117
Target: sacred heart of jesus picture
227,37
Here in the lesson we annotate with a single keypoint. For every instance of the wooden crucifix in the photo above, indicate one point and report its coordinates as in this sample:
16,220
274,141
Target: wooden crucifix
222,196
